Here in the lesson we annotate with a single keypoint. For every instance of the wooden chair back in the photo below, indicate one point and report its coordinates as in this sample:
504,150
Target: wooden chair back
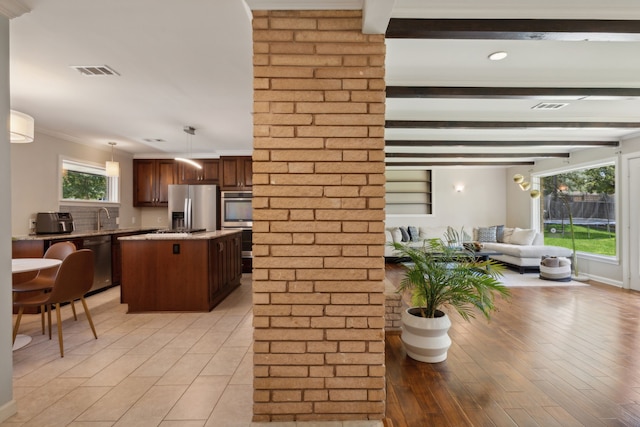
74,278
59,251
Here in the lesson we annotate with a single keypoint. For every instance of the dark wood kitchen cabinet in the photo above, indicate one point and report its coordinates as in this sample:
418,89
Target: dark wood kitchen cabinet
236,173
193,273
209,174
151,180
116,254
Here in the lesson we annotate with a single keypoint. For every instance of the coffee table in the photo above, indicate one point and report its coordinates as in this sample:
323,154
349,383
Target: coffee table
484,254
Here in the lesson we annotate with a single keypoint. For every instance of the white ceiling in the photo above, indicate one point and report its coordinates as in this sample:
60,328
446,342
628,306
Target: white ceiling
188,62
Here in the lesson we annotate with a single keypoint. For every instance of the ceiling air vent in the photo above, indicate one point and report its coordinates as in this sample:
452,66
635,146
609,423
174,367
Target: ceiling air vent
95,70
549,106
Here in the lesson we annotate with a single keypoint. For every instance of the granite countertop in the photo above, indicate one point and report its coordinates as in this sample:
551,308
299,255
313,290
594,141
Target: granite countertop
206,235
80,234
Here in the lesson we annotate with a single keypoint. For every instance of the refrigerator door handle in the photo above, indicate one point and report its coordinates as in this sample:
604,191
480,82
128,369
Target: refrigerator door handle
187,213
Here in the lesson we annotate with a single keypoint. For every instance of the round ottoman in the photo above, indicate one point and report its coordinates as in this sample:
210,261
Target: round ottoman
555,268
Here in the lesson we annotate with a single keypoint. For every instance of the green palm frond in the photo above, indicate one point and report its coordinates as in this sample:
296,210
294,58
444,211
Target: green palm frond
445,276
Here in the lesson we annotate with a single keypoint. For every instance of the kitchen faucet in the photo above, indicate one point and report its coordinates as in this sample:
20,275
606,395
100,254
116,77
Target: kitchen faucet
100,210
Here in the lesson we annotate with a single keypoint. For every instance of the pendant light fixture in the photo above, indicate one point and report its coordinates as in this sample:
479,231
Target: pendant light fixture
21,127
112,168
190,131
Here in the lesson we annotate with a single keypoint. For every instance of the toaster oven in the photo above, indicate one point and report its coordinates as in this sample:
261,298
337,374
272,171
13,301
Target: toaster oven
54,223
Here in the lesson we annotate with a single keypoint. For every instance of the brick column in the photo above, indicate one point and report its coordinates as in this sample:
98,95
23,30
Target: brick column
318,220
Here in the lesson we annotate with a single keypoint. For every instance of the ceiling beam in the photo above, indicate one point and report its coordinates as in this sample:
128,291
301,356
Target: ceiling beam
474,155
569,93
420,164
457,143
515,29
460,124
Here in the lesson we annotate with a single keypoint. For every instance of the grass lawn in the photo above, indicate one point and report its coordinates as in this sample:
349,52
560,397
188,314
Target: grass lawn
592,240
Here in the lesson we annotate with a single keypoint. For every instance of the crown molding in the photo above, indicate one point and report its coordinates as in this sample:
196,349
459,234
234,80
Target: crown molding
13,8
305,5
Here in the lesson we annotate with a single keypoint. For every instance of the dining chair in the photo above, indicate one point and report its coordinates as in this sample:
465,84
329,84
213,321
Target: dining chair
73,281
44,280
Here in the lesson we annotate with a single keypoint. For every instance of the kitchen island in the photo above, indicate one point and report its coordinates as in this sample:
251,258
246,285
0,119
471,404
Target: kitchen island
180,271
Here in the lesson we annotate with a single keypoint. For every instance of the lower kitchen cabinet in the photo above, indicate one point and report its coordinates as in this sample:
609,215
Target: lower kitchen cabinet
183,274
116,255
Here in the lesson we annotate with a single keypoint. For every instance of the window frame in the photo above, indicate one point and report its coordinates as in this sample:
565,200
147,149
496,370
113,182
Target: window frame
113,184
536,215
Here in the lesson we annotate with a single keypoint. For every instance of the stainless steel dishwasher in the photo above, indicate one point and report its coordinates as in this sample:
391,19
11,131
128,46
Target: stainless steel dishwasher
101,247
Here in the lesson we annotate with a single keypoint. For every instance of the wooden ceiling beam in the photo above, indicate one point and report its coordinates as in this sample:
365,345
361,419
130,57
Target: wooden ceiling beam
460,124
515,29
458,143
557,93
474,155
458,163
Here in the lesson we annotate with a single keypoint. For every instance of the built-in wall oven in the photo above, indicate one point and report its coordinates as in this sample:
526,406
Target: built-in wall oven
236,213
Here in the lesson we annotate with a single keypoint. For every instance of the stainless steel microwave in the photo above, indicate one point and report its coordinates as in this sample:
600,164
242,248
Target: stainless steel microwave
235,209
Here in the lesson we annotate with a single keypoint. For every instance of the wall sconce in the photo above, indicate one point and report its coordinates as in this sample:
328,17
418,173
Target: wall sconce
112,168
459,188
21,127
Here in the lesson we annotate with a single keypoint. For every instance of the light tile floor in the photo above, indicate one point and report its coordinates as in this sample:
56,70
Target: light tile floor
152,369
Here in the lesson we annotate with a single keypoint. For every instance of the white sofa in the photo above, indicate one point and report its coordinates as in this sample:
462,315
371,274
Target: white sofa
524,253
394,235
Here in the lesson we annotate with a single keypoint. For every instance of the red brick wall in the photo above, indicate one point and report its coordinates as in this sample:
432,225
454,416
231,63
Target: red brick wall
318,225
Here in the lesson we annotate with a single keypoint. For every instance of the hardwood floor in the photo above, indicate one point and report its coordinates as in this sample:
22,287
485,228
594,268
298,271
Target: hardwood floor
555,356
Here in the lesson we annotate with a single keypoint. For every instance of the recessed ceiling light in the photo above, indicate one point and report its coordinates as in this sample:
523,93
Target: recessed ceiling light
497,56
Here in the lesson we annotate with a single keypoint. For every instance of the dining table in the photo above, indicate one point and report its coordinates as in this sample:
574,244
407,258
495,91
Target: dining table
23,265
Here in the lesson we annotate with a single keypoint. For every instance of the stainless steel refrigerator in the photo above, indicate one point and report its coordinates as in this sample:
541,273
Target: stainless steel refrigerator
193,207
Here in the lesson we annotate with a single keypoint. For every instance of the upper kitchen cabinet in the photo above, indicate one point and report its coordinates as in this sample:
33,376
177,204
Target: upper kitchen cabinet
209,174
151,180
237,173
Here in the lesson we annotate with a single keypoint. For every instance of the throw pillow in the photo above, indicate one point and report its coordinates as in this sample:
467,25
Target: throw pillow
487,234
506,234
500,233
413,233
396,235
522,237
405,234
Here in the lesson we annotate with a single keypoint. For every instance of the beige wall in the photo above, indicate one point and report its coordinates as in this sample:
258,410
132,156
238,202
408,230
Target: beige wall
35,177
481,203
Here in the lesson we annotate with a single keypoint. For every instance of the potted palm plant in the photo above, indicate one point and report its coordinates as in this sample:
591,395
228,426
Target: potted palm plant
443,276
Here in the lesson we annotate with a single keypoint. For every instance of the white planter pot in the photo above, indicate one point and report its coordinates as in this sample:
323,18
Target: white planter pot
426,339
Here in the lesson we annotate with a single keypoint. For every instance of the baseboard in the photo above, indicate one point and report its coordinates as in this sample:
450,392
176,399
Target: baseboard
604,280
8,409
